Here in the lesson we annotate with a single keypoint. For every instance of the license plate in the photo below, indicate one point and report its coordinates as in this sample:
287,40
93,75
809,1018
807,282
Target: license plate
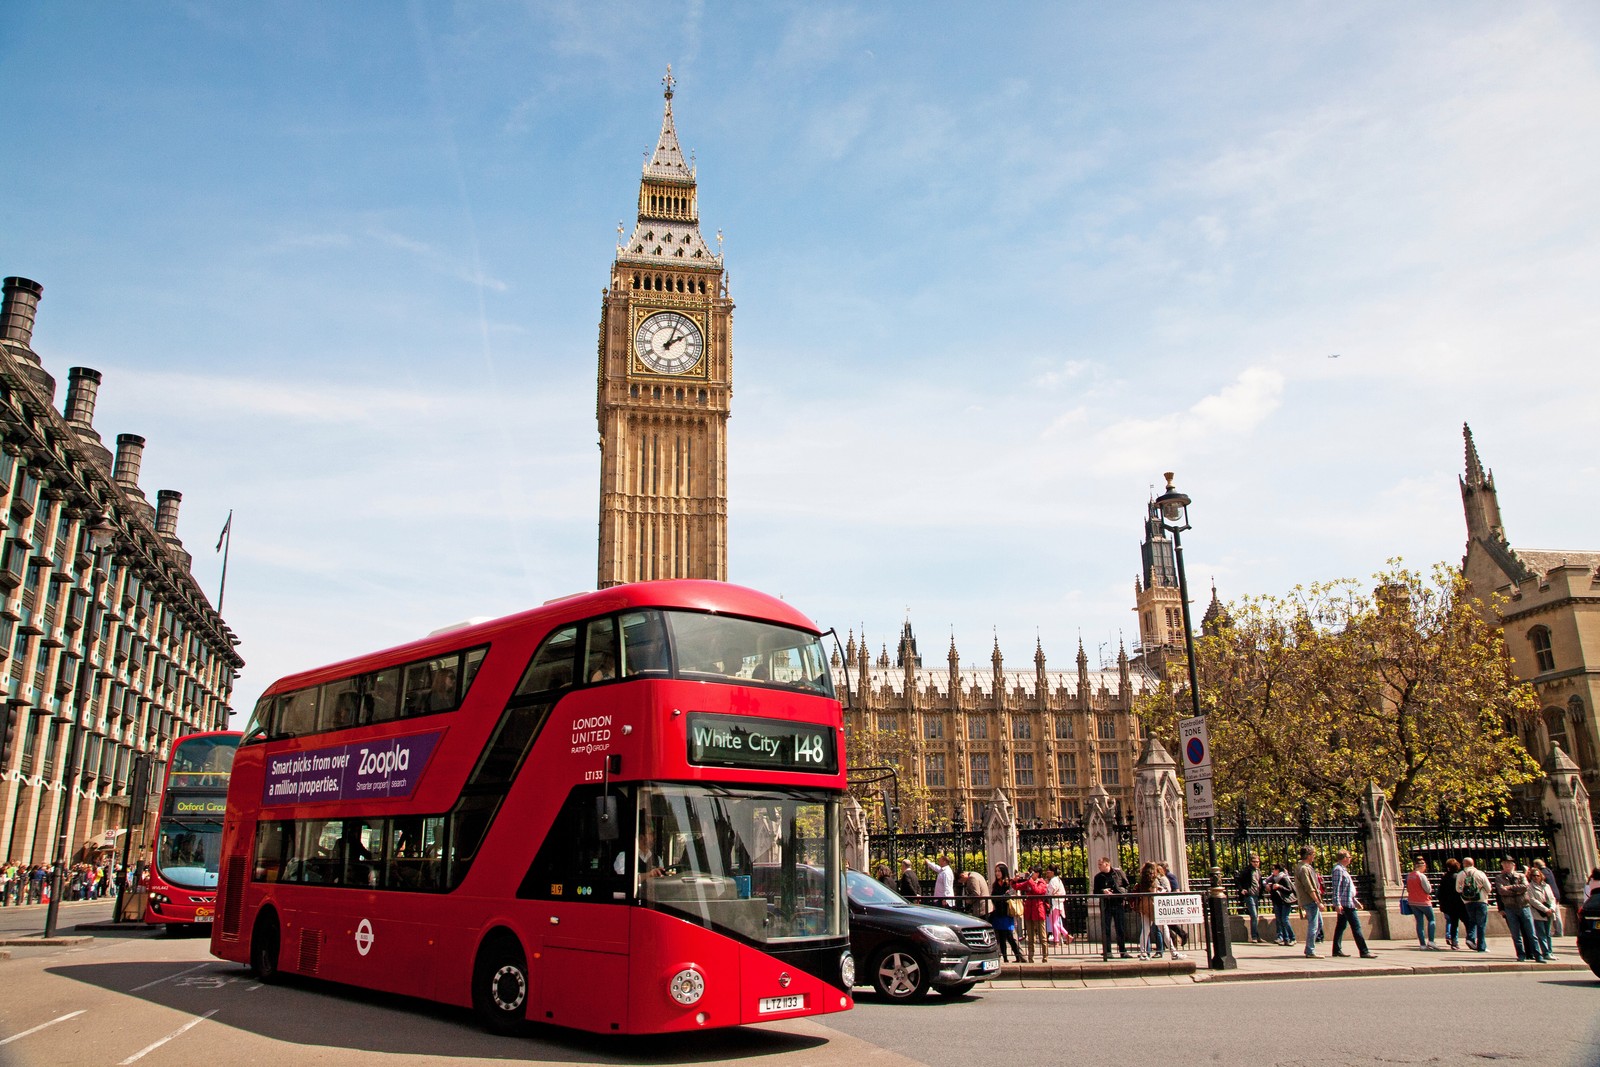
772,1004
985,966
204,915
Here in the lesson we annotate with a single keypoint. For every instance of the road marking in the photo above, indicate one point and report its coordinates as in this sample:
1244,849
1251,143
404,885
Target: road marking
169,977
191,1024
41,1026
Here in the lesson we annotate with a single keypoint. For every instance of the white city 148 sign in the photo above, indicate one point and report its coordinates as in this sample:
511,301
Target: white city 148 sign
1197,797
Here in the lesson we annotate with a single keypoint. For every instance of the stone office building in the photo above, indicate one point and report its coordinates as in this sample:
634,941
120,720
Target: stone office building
109,647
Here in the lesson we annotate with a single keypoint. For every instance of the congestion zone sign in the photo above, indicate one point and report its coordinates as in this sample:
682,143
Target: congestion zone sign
1196,745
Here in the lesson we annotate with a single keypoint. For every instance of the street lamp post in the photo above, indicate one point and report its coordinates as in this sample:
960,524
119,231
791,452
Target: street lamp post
1174,508
100,532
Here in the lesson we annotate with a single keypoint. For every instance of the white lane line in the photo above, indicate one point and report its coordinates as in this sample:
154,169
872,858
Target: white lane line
41,1026
169,977
191,1024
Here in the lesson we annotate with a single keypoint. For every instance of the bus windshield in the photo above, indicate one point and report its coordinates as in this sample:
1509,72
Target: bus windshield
202,763
762,865
723,648
187,853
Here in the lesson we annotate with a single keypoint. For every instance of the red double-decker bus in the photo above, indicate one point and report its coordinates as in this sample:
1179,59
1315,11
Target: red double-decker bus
618,812
182,878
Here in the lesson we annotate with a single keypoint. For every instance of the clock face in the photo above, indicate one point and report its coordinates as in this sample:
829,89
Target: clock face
669,343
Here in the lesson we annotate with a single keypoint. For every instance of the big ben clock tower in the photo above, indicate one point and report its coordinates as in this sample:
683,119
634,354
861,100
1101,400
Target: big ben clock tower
664,385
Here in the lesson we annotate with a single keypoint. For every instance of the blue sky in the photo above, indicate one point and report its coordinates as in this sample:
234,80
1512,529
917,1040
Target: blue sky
996,268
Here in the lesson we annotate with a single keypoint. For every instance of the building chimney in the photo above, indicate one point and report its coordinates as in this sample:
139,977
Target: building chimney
21,304
130,453
83,386
167,501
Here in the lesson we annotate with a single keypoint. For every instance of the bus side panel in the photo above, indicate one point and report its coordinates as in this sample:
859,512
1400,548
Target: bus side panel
583,989
664,946
371,939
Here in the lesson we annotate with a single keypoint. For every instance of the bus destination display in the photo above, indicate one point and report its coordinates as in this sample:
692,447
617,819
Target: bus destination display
767,744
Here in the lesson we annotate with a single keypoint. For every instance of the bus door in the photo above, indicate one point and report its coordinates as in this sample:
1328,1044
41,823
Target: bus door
583,880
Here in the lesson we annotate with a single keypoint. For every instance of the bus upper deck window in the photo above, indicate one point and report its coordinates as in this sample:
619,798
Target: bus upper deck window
600,662
644,644
551,667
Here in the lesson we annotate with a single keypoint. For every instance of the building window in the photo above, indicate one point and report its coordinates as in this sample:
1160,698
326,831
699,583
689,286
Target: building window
1069,811
1063,727
1067,768
978,728
1022,728
1108,728
1028,810
888,721
1023,763
1555,728
934,765
1110,772
1540,637
933,727
980,769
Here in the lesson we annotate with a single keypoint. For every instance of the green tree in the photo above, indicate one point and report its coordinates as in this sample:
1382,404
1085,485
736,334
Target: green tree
1312,695
894,749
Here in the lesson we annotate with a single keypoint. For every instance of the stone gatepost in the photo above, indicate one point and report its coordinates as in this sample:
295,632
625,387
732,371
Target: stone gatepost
1566,803
857,844
1158,813
1000,834
1100,833
1383,861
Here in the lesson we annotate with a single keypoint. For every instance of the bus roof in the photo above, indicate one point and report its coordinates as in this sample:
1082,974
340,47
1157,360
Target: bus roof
719,598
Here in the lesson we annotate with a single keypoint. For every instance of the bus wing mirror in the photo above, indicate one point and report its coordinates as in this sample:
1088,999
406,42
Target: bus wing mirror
605,818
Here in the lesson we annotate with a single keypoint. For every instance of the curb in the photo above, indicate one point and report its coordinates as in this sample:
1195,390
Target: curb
1386,971
131,929
1093,970
48,942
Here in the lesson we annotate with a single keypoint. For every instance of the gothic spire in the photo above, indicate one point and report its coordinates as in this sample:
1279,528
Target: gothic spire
667,160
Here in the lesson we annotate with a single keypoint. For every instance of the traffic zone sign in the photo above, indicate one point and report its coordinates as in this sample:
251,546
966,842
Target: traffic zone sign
1196,746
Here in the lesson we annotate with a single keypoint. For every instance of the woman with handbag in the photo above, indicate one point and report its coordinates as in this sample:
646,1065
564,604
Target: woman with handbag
1007,912
1418,900
1451,904
1145,906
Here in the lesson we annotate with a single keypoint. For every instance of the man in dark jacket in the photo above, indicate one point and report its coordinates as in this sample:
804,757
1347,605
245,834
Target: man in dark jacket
1248,883
1110,886
908,884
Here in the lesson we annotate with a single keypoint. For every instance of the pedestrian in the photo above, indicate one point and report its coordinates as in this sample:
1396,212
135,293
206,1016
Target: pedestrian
973,889
1055,923
1419,898
1349,908
6,873
1248,883
1146,887
1593,884
1511,890
1110,889
1451,906
1281,888
1542,902
1175,935
1004,918
1035,910
1308,894
883,875
1473,886
944,881
908,884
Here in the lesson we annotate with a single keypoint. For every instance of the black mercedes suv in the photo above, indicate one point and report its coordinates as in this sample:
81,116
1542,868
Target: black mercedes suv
905,949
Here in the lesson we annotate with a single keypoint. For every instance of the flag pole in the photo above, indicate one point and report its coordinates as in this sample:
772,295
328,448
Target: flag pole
225,542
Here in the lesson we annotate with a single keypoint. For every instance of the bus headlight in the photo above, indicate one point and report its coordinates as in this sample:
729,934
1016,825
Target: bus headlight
847,970
687,986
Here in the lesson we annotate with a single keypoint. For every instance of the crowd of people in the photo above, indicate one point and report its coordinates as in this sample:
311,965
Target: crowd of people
1033,901
23,883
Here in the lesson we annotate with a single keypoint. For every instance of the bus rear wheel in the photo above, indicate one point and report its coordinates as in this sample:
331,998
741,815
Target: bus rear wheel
500,984
264,942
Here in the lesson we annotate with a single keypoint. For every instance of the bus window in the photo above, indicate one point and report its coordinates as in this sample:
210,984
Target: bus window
600,662
274,842
298,714
260,726
358,853
431,685
644,644
578,862
414,846
469,669
382,702
551,668
341,704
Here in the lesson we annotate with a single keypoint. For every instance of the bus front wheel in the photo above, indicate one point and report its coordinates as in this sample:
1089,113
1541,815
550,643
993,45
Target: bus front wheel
500,983
264,948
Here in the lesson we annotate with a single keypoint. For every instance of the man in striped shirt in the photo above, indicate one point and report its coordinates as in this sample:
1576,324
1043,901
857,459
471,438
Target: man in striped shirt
1344,900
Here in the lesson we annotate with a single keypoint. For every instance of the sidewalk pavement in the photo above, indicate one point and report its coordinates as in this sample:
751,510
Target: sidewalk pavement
1269,962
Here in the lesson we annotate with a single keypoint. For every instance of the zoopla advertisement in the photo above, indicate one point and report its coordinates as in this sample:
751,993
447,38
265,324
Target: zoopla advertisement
386,769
